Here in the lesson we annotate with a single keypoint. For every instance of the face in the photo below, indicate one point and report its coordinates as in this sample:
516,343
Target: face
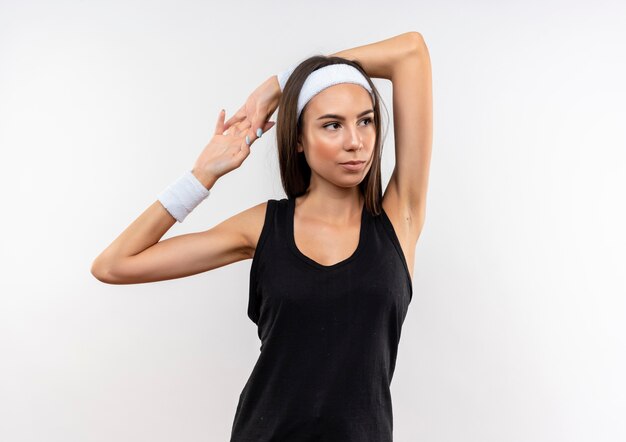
348,134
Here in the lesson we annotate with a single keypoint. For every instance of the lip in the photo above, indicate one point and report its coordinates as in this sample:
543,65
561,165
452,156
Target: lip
353,165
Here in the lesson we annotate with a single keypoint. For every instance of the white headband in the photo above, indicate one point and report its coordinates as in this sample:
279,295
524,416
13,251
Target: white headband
328,76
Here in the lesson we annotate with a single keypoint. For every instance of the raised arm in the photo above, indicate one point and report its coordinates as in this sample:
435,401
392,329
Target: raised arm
138,254
404,59
379,59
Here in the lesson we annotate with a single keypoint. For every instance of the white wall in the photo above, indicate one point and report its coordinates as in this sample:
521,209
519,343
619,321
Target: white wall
516,328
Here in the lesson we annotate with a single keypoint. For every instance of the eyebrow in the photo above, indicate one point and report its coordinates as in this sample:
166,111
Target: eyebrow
339,117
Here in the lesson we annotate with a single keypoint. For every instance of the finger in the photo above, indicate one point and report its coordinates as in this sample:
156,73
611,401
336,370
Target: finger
257,123
244,149
243,127
219,127
239,116
259,128
239,128
251,133
228,122
268,126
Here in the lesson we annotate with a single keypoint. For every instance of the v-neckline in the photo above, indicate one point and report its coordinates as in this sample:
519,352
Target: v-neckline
292,239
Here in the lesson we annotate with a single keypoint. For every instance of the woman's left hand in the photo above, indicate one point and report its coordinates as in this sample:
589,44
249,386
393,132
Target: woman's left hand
259,106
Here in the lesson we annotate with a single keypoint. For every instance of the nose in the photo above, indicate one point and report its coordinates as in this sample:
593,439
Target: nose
354,140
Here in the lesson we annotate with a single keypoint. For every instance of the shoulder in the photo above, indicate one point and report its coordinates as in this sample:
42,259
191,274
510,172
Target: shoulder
251,222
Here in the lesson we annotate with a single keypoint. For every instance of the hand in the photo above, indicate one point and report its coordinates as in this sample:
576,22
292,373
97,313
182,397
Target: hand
259,106
226,151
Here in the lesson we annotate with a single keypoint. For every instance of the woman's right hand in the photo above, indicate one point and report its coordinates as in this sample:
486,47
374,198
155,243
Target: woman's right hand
226,151
259,106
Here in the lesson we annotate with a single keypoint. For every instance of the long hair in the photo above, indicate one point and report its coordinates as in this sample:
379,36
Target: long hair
295,172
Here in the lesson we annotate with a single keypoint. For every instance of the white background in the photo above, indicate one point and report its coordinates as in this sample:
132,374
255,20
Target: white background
516,328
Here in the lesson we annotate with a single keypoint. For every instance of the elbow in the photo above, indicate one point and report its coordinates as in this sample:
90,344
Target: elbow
101,272
416,42
114,272
416,37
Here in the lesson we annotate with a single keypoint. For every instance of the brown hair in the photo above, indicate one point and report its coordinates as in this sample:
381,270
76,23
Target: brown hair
294,170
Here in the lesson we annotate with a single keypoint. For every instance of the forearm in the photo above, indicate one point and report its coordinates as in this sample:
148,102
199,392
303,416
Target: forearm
379,59
142,233
156,220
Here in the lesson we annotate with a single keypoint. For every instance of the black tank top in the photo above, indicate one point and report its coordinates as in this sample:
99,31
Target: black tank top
329,336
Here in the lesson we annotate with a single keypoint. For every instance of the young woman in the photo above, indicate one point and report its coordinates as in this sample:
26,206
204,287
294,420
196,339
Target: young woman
331,272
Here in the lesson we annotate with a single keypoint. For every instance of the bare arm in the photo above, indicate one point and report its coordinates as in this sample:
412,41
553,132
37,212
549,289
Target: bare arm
230,241
136,255
143,233
140,236
405,61
380,58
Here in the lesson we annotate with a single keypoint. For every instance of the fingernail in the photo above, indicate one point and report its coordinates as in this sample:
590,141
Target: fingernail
259,132
247,140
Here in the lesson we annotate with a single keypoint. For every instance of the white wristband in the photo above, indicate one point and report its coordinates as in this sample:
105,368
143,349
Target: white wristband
284,76
183,195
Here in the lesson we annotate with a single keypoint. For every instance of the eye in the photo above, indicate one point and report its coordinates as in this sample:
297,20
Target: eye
330,124
369,121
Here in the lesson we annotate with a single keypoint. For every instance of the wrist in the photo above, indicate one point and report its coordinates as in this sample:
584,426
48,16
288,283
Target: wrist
275,82
207,180
284,75
182,196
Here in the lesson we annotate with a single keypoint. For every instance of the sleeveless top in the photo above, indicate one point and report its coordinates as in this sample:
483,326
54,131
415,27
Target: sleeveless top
329,336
